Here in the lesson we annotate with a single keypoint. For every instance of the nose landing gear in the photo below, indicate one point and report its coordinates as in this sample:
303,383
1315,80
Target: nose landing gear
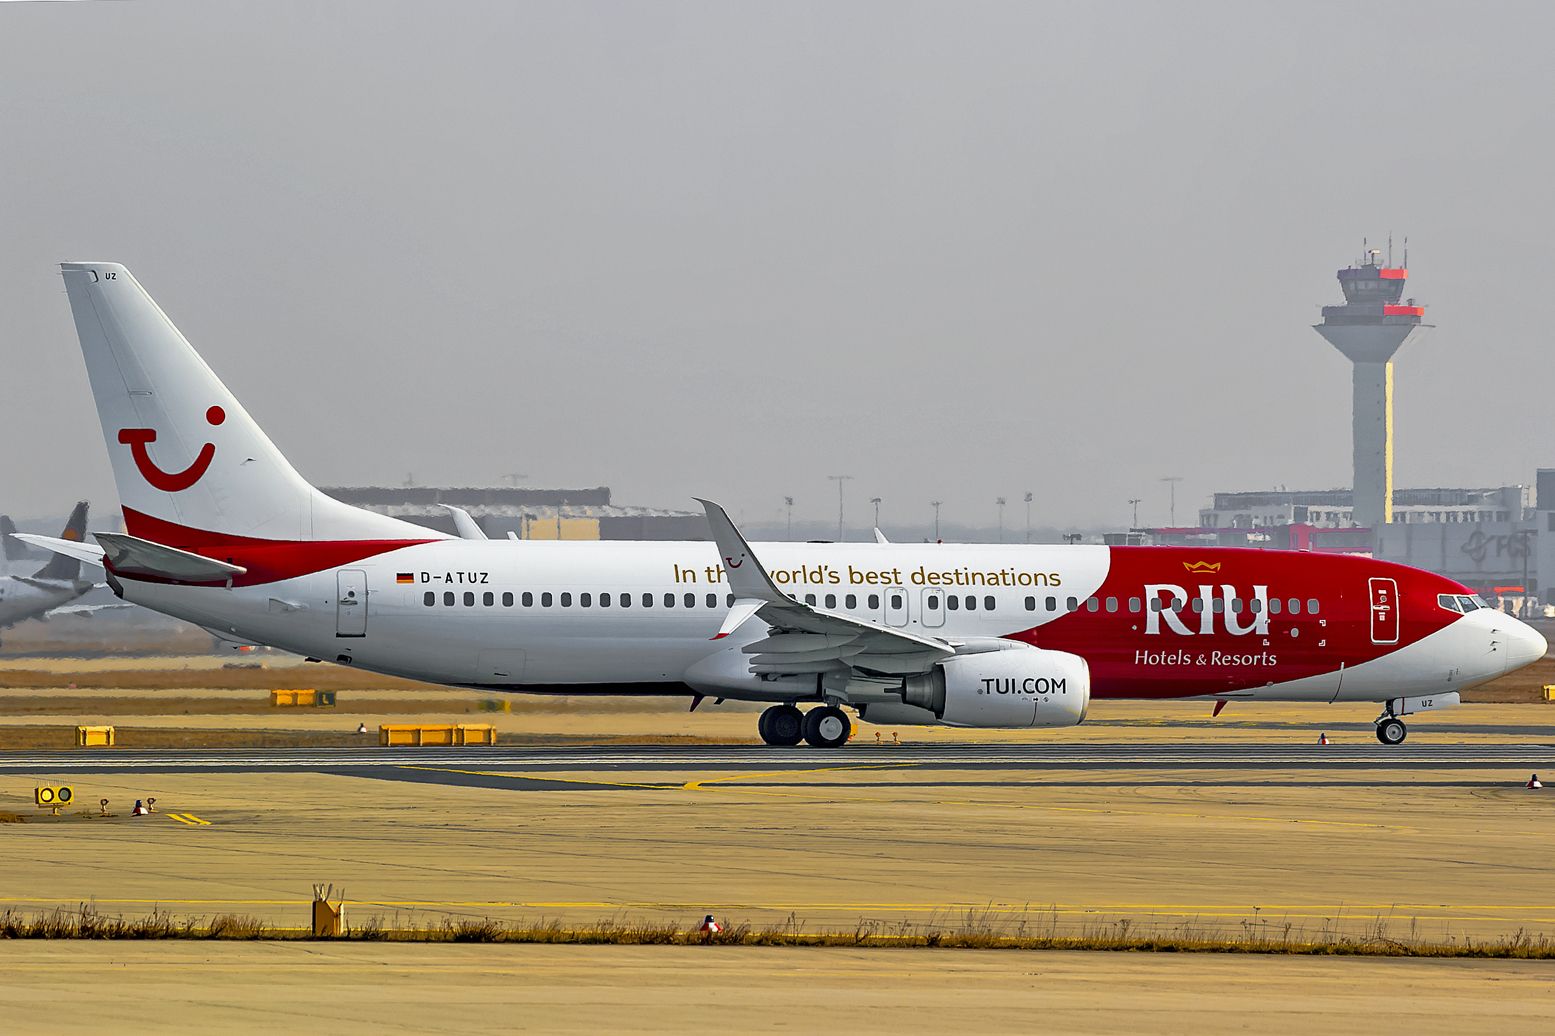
1391,730
824,727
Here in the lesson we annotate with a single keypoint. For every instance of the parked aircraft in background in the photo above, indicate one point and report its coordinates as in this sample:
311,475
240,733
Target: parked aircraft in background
223,532
49,591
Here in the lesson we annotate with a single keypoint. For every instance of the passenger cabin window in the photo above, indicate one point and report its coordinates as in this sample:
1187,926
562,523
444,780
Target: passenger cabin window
690,600
971,603
1092,604
897,601
729,600
1293,606
545,599
469,598
585,600
1112,605
566,600
987,604
1198,605
1274,606
647,600
712,600
430,599
507,599
1311,605
604,600
488,598
952,603
669,600
874,602
850,602
1072,604
448,599
831,600
1052,604
1031,604
626,600
1133,605
932,604
809,599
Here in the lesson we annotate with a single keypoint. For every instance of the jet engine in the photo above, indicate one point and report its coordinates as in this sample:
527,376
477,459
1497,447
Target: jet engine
1016,687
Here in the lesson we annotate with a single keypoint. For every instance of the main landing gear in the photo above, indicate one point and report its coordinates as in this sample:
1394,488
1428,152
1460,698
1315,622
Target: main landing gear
823,727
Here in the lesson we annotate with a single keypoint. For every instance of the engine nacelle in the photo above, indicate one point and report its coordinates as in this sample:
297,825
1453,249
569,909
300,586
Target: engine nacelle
1017,687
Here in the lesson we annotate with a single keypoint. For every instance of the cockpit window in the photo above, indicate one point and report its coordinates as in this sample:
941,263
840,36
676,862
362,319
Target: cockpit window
1470,603
1448,601
1479,601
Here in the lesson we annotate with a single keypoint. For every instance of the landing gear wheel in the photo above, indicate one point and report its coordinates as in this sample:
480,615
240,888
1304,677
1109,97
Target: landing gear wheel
1391,731
827,727
781,725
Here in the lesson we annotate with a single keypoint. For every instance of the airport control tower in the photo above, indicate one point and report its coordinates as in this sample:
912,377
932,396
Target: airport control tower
1369,328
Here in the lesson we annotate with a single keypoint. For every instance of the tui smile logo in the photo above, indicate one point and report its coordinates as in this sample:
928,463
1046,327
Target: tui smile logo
137,440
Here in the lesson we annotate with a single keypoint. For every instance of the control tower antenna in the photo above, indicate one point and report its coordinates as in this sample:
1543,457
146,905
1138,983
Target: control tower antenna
1368,329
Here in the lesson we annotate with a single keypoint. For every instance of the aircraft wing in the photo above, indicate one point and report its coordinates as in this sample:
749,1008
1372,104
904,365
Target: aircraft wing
82,610
804,638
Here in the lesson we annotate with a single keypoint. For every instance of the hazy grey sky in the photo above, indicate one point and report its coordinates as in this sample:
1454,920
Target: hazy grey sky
956,250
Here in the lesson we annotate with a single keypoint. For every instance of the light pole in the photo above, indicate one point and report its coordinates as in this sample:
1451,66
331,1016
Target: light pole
1000,502
1134,503
1172,480
788,502
1028,516
839,479
876,501
936,504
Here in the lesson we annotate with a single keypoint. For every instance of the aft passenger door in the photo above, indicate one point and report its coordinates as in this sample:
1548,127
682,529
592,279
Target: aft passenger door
1384,611
351,603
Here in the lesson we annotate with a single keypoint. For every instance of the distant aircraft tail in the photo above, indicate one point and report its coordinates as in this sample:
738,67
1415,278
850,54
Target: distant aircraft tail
61,567
13,549
192,467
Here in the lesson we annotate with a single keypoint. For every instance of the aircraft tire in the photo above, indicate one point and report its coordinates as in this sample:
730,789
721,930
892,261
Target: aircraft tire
1392,731
781,725
827,727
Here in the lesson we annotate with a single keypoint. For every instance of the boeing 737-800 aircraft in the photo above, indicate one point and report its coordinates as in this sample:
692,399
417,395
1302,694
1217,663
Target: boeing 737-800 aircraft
221,531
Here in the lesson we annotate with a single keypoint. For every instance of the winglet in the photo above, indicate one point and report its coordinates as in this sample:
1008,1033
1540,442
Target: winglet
464,523
747,578
880,536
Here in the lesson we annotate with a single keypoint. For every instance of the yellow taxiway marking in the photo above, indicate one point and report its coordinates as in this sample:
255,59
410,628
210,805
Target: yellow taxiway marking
188,818
539,777
698,785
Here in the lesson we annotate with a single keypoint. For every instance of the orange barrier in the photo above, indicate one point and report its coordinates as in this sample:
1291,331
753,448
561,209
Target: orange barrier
421,735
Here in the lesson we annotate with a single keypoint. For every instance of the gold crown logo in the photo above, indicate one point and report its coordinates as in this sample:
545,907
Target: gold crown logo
1202,568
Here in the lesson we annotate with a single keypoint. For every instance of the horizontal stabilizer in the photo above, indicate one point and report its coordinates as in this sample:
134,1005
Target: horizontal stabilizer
132,556
88,552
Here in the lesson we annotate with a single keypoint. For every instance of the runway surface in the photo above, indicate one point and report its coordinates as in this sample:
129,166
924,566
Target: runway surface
702,759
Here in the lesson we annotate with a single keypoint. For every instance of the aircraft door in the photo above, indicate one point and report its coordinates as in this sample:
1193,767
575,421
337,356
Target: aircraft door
351,603
895,606
1384,611
932,612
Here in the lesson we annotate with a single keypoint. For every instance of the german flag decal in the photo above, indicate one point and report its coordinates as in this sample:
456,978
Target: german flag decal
405,577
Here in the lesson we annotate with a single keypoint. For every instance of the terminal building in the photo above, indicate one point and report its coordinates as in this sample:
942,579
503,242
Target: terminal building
528,514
